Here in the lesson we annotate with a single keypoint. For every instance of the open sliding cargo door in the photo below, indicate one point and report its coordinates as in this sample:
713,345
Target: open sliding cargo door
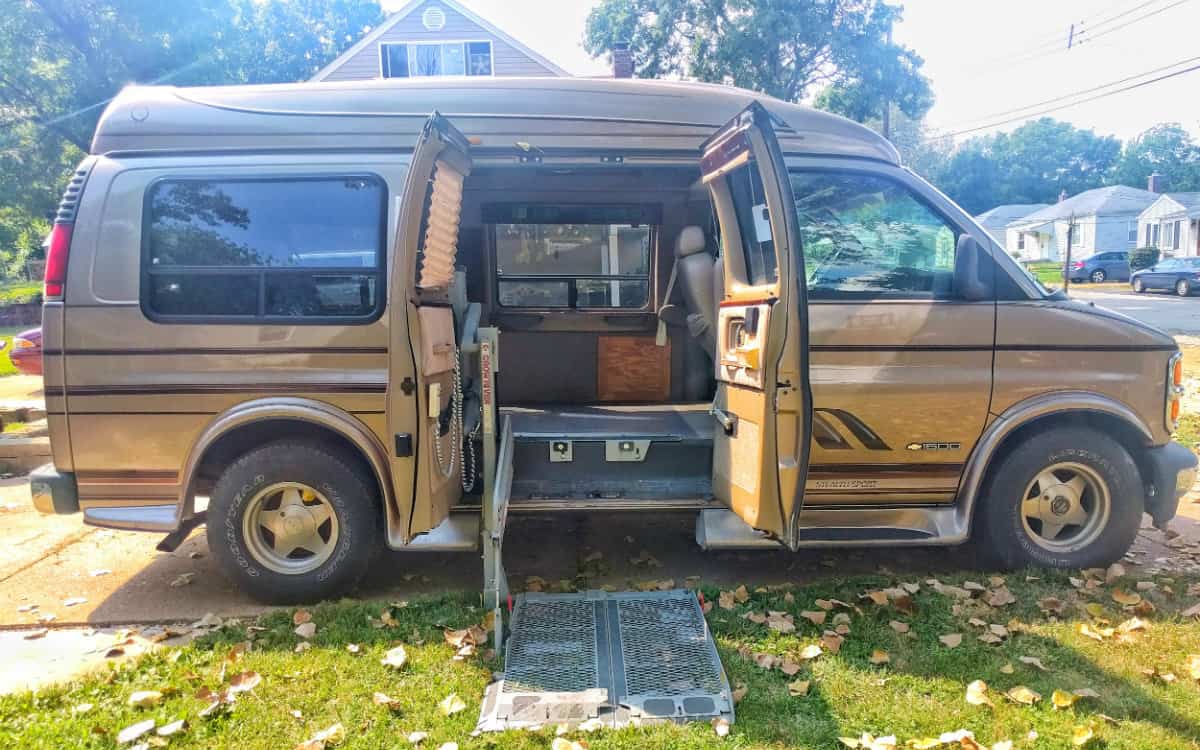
423,351
764,401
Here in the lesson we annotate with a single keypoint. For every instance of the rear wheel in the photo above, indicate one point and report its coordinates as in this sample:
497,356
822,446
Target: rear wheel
1098,276
1139,286
1068,497
293,522
1183,288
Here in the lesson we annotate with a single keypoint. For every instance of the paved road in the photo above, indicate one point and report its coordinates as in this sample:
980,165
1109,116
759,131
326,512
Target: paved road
1178,315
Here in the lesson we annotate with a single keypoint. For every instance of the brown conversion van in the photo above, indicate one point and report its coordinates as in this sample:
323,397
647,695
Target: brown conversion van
321,320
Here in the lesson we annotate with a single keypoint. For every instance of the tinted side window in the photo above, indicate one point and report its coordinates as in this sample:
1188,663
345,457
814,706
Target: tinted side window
754,224
264,249
866,236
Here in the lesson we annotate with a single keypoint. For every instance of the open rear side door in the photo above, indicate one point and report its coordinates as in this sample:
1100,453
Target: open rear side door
426,458
764,400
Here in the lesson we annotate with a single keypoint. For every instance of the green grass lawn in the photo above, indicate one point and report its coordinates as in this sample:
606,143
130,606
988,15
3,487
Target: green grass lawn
12,292
6,334
918,693
1049,274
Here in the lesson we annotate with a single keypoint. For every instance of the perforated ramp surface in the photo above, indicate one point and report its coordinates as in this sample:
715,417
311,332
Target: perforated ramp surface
621,658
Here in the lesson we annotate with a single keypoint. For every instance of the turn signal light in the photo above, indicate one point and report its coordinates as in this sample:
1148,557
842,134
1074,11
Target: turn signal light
1174,390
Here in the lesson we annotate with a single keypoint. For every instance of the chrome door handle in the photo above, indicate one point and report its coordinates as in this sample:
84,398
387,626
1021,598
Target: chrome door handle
728,421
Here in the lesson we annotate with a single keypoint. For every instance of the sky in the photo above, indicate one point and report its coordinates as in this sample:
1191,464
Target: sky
984,58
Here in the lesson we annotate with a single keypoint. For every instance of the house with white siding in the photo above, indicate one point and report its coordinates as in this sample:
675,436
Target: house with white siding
1096,221
436,38
996,222
1172,224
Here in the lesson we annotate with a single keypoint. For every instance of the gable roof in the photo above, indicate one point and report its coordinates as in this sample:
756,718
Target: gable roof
1115,199
1001,216
1188,203
404,12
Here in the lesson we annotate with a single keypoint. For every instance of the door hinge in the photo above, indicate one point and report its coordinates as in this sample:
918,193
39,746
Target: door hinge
408,387
404,445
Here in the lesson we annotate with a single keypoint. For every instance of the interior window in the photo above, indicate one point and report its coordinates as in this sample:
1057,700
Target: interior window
867,236
754,224
254,249
565,257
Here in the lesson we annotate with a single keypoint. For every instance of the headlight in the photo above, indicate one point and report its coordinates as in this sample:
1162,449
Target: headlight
1174,390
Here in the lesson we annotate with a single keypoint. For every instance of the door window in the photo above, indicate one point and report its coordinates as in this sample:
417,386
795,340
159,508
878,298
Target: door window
867,236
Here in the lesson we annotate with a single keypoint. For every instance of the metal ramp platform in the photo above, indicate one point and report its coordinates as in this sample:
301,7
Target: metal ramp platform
616,658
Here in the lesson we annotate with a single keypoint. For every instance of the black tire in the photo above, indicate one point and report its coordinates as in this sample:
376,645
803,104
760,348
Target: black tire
1004,537
1183,288
347,486
1098,276
1139,286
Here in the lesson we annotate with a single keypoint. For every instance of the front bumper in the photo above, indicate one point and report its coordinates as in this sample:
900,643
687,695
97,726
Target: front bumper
53,491
1172,474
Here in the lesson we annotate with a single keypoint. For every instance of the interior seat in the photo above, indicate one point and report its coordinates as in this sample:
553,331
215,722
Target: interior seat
696,269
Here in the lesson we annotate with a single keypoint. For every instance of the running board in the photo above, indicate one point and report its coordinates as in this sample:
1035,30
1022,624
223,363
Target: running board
458,533
832,527
609,658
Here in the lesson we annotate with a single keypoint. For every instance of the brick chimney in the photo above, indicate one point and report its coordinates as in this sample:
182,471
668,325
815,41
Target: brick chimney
1156,183
622,60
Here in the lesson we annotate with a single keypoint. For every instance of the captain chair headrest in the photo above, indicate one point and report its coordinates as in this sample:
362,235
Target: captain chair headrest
690,241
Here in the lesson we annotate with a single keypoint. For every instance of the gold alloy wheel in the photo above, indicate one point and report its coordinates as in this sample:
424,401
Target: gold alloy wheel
1065,507
290,528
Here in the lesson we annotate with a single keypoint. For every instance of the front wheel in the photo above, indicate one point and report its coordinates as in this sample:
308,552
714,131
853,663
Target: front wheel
1183,288
1068,497
1098,276
1138,286
293,522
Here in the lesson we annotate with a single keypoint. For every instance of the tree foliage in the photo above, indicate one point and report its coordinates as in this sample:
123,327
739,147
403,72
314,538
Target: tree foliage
61,61
1165,148
790,49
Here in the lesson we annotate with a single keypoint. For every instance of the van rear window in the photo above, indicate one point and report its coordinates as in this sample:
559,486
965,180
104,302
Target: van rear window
295,249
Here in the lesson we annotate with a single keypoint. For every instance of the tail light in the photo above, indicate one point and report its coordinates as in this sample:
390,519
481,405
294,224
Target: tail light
1077,265
56,260
1174,390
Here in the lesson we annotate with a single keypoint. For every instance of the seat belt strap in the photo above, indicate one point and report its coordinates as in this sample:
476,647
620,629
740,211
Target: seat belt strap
660,338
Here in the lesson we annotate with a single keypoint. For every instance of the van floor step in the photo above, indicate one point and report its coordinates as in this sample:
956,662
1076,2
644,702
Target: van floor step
617,658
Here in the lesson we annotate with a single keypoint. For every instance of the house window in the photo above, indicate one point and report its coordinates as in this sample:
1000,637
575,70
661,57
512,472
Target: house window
428,59
1175,240
1020,240
1155,235
1132,227
239,251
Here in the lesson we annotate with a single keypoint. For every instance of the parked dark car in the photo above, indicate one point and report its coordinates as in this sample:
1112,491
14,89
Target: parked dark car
25,351
1107,266
1179,275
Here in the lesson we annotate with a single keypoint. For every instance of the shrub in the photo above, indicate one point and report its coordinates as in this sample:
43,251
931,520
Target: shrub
1143,257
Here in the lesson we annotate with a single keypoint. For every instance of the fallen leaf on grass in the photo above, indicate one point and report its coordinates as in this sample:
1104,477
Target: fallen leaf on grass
951,640
789,667
1133,624
1051,605
798,689
562,743
244,682
1192,611
1126,598
306,630
301,616
133,731
1193,666
383,699
758,618
878,597
726,601
145,698
302,647
720,725
1061,699
781,622
1007,669
1086,693
416,738
82,708
1115,571
810,652
824,604
741,594
977,694
1082,735
330,736
899,627
879,656
1001,597
832,642
1033,661
739,692
451,704
448,746
1023,695
1096,634
816,618
175,727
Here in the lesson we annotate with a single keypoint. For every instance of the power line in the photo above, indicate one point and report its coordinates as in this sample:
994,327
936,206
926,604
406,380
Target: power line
1072,95
1087,37
1048,110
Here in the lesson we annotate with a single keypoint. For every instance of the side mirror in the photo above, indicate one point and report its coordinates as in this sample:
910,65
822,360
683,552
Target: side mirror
972,270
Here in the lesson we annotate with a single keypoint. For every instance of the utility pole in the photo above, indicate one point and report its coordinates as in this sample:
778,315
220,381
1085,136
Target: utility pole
887,103
1071,37
1067,265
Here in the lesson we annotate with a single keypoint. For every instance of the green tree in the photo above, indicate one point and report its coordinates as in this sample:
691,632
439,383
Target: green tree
1032,164
790,49
1165,148
62,61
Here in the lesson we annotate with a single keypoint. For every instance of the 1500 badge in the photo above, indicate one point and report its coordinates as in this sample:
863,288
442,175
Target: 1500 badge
934,446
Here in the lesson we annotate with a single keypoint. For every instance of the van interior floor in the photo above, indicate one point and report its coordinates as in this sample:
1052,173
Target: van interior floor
612,456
